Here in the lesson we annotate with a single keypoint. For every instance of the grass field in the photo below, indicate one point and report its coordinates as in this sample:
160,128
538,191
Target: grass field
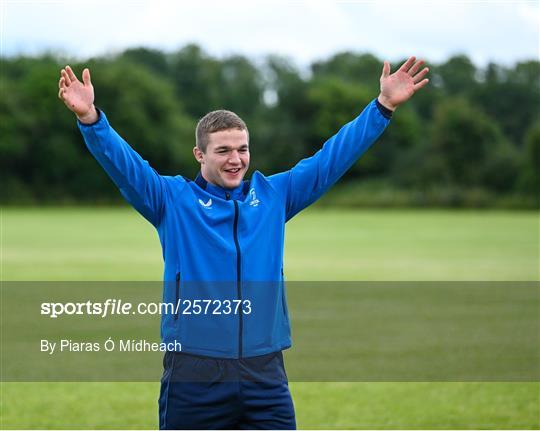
117,244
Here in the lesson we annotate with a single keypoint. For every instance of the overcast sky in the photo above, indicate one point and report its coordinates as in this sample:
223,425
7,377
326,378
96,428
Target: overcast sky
504,32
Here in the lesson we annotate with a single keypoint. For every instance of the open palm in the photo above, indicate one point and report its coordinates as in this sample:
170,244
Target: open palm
399,86
78,96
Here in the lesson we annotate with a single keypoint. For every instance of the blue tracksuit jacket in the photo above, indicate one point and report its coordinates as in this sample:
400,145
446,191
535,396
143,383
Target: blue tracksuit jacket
224,245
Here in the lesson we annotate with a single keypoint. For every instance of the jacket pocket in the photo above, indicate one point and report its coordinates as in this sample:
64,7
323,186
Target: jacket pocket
177,295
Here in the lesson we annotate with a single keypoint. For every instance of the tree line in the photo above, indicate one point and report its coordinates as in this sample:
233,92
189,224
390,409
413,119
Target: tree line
471,138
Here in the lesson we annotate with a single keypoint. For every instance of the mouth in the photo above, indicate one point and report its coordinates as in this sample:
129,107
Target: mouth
234,172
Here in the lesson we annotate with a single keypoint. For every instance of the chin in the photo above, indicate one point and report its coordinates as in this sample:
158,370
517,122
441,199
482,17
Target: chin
232,184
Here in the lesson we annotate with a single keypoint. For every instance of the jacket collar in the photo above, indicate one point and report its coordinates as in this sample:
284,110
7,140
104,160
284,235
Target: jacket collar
238,193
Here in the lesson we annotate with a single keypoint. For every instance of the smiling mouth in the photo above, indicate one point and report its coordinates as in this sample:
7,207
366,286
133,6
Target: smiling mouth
232,171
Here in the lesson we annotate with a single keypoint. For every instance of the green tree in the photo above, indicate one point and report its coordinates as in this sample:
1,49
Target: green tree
155,60
38,158
397,146
357,69
457,75
280,129
196,80
474,128
530,177
468,149
335,102
511,97
241,86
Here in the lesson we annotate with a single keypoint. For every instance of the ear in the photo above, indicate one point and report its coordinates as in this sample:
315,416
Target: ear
199,155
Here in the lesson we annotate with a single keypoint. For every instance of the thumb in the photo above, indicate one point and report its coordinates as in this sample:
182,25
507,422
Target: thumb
385,70
86,77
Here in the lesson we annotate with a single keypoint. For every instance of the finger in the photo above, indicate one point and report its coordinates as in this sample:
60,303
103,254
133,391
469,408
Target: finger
385,70
407,65
61,83
71,75
61,94
418,77
416,67
86,77
66,77
420,84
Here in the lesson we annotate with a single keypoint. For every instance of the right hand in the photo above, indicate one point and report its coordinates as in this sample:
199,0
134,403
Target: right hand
78,96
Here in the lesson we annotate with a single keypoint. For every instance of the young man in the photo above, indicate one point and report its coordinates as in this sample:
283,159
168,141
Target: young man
222,240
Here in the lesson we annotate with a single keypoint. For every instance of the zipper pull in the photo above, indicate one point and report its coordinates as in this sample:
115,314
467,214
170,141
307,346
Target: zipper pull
227,195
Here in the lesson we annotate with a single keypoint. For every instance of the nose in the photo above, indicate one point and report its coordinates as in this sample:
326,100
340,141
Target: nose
234,157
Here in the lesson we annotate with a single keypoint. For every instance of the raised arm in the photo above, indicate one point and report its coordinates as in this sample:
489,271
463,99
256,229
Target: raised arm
312,177
138,182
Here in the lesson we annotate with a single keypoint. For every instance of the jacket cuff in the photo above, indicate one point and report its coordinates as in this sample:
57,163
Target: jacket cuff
91,124
385,112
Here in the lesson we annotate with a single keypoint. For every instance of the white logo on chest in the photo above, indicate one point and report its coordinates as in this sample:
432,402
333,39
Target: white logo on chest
207,205
254,201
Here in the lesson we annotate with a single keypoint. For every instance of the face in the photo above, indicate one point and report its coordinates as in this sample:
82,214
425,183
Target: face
226,159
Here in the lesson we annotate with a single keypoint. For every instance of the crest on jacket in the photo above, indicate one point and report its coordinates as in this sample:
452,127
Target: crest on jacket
254,201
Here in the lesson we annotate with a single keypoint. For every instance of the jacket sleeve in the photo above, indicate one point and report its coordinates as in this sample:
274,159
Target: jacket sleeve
313,176
138,182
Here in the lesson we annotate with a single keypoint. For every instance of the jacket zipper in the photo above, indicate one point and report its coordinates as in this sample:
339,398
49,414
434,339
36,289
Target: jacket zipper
177,289
238,277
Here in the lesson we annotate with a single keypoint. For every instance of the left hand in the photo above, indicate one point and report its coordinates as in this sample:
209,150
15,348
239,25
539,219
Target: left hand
402,84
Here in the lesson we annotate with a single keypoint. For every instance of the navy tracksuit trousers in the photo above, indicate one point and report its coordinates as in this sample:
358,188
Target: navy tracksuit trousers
199,392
